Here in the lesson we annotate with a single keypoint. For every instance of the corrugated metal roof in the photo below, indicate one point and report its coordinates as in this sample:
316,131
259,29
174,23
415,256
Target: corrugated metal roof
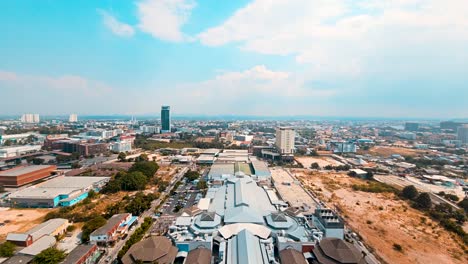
41,244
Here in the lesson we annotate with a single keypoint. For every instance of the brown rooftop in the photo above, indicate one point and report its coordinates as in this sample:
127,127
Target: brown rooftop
157,249
199,256
337,251
292,256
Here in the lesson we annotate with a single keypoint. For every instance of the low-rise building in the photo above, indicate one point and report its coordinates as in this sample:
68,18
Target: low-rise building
83,254
115,226
9,152
23,175
52,227
121,146
60,191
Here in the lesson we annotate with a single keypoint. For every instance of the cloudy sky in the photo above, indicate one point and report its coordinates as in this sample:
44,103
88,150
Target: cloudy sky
360,58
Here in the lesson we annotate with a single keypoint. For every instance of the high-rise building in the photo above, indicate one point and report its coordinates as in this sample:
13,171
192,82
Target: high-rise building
30,118
451,125
411,126
73,118
285,140
165,119
463,134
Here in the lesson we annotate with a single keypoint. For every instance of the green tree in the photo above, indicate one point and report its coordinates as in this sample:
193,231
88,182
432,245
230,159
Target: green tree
315,166
201,185
464,204
92,225
148,168
122,157
7,249
8,142
37,161
142,157
92,194
133,181
139,203
112,186
410,192
49,256
423,201
192,175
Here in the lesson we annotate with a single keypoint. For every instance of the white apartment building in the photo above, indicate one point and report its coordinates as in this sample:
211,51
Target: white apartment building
462,134
121,146
30,118
73,118
150,129
285,140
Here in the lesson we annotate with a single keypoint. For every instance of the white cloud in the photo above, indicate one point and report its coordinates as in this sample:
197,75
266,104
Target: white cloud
350,37
117,27
70,84
164,19
243,92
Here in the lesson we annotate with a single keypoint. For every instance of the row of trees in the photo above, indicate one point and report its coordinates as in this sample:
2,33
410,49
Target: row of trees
136,236
452,220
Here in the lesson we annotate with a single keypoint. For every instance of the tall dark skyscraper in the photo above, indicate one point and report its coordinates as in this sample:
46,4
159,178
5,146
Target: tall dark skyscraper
165,119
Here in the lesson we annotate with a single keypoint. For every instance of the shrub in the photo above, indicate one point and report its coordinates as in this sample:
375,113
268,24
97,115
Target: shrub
7,249
397,247
410,192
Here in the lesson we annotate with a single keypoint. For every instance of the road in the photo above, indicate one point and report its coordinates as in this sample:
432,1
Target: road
403,182
369,257
112,253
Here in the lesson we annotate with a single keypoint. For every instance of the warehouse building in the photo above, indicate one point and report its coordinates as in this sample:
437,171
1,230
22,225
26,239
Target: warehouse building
52,227
60,191
22,175
9,152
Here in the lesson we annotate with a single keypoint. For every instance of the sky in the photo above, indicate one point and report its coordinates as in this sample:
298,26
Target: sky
360,58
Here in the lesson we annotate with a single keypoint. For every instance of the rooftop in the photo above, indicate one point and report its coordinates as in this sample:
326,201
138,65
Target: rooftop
58,186
76,254
24,170
114,221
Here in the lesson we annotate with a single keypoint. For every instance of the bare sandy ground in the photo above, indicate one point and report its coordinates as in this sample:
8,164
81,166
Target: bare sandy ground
19,220
384,220
321,161
385,151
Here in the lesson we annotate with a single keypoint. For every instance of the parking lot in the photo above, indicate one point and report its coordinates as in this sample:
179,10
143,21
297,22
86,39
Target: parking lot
185,196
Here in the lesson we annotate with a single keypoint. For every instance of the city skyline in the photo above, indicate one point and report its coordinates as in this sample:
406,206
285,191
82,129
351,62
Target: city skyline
387,59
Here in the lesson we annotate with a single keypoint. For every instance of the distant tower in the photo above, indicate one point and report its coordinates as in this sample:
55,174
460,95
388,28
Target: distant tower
165,119
30,118
411,126
463,134
285,140
73,118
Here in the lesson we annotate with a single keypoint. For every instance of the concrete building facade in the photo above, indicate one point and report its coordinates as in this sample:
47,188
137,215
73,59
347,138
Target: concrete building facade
285,140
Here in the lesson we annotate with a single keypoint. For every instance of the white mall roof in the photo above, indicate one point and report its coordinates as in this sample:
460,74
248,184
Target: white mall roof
228,231
204,204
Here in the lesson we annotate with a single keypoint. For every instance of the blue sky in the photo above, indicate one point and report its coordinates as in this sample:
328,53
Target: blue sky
363,58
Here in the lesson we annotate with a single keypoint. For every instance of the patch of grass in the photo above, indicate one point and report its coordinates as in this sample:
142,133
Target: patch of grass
374,187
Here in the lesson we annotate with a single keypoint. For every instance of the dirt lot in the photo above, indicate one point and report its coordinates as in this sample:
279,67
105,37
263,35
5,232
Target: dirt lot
383,220
388,151
321,161
19,220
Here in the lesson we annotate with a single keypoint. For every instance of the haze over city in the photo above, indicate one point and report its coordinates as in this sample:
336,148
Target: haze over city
266,58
